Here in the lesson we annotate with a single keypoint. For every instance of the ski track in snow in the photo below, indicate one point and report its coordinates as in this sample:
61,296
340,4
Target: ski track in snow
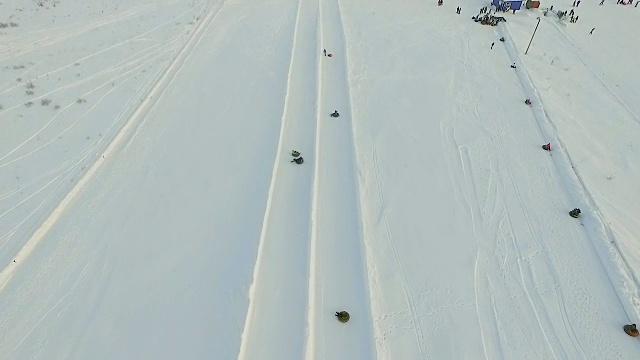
123,71
409,299
466,186
22,45
66,169
49,186
122,136
133,59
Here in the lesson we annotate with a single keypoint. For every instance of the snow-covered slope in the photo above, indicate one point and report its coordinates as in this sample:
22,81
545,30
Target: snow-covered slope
150,209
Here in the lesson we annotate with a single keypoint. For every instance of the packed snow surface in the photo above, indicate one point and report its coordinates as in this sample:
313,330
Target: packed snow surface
150,208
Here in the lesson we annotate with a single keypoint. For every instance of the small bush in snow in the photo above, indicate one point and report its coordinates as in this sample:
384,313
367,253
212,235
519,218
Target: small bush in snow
45,102
1,107
18,67
30,85
28,104
29,92
12,24
81,100
3,25
56,107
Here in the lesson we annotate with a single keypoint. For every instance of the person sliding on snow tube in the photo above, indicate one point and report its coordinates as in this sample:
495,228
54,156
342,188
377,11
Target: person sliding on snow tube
574,213
335,113
343,316
528,101
295,153
631,329
298,161
547,147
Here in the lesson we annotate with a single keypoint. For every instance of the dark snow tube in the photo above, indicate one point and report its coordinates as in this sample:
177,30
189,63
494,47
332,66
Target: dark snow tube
343,316
631,330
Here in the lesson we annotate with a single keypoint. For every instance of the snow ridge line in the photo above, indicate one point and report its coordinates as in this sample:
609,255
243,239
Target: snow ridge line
625,275
119,74
253,294
135,119
312,311
361,245
79,158
364,255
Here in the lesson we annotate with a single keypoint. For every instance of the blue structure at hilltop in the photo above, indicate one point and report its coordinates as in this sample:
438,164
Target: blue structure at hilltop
507,5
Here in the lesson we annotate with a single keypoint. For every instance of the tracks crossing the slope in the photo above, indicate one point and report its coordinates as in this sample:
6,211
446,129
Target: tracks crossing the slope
146,104
21,44
497,226
132,63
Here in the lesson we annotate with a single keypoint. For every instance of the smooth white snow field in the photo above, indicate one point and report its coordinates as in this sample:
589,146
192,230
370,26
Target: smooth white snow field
150,208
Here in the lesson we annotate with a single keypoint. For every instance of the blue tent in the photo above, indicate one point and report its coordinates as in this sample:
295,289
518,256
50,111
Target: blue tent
507,5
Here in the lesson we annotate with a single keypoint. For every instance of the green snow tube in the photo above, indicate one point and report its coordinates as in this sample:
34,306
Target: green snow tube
343,316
